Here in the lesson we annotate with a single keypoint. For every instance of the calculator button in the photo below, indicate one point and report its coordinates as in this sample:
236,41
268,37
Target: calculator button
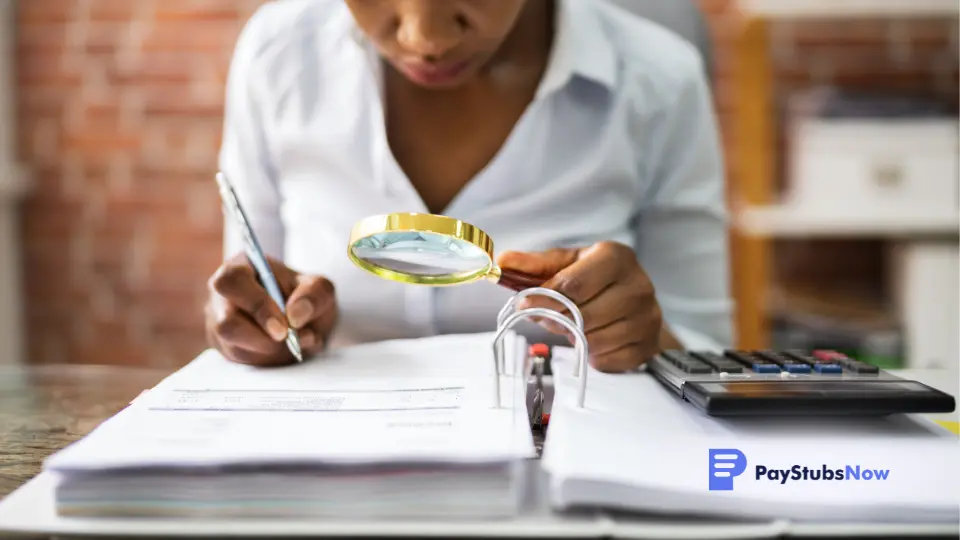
797,368
756,362
696,368
789,365
851,364
828,368
686,362
793,366
861,367
672,356
822,363
742,357
802,356
721,364
766,368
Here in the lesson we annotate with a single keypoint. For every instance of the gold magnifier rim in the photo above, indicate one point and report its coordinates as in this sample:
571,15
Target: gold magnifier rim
426,223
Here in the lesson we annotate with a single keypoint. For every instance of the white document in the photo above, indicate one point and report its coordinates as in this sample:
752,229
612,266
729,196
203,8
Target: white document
638,446
31,510
431,400
464,362
405,398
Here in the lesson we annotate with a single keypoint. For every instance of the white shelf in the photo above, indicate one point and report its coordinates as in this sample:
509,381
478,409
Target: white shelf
783,221
806,9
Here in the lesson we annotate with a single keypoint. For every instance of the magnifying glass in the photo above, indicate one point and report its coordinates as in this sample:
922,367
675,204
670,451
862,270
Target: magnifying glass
427,249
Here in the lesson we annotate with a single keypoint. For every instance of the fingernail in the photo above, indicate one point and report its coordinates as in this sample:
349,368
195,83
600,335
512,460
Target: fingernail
307,339
276,329
300,312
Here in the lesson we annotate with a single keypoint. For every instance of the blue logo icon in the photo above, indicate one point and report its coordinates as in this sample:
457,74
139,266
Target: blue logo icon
725,465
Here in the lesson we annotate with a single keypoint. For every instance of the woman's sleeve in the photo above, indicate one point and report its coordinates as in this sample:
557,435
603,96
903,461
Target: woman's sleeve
246,156
682,222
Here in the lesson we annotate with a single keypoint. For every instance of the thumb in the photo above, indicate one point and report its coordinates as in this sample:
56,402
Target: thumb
542,264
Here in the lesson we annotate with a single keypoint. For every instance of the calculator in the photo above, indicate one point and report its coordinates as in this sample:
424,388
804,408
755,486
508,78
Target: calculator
791,383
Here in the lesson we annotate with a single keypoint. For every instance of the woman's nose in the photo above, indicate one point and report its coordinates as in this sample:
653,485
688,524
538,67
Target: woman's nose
430,34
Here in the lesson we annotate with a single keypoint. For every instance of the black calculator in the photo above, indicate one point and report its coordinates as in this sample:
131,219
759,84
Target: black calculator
791,383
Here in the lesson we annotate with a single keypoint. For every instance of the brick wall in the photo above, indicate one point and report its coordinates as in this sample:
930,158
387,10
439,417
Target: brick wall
120,120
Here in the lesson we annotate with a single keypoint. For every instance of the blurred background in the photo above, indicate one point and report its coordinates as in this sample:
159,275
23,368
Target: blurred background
839,121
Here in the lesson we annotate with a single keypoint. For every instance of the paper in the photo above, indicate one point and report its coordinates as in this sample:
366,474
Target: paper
400,399
421,405
638,445
388,362
31,510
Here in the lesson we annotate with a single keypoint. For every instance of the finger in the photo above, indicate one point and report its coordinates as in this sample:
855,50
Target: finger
312,298
252,358
313,336
626,358
542,264
543,302
595,269
616,302
237,283
285,277
234,328
618,334
625,299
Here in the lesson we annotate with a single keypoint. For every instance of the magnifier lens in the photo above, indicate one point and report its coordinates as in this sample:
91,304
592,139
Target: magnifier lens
421,254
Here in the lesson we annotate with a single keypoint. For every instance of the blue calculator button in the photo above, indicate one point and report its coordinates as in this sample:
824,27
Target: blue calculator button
797,368
828,368
766,368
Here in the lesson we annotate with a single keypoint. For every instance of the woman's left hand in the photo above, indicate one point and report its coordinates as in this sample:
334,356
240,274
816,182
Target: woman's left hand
621,315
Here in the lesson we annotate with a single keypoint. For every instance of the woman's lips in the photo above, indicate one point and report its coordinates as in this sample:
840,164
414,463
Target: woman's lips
434,74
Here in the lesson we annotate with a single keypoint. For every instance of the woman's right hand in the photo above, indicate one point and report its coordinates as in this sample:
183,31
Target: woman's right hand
246,325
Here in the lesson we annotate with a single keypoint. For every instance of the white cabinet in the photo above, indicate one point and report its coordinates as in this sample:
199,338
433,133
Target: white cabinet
926,290
879,168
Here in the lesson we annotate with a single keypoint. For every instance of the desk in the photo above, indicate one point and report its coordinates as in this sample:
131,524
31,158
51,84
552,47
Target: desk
45,408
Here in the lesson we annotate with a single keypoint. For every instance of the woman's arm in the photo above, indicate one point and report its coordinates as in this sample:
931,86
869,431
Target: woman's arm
242,321
681,228
246,156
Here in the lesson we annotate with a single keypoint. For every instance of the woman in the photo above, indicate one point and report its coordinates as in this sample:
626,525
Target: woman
580,137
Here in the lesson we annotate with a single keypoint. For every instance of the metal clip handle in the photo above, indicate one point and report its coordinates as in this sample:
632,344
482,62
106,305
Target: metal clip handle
580,346
540,291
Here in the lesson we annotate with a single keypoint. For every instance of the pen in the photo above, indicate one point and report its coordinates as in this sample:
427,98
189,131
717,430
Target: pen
256,257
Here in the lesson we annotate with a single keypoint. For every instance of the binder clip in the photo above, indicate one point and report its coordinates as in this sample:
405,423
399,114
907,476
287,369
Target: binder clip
508,318
539,417
511,306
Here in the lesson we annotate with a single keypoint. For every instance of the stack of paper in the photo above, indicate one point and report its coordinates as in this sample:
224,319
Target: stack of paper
637,447
395,429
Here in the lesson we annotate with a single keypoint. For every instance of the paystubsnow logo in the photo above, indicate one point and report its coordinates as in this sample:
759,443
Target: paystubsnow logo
725,465
729,463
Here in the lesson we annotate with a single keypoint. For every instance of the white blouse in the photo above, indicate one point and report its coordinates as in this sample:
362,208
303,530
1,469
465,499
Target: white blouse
620,144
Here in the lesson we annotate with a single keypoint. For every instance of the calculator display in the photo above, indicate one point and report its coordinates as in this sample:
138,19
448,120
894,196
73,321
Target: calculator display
812,388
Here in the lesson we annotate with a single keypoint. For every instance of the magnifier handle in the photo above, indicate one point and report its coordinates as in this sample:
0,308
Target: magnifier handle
518,281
